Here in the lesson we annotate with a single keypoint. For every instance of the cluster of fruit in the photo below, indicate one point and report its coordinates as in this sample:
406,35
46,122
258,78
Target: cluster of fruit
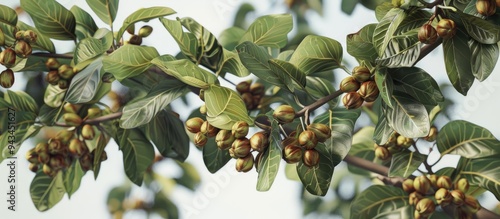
487,7
251,94
446,194
136,39
21,48
58,74
359,87
397,143
67,146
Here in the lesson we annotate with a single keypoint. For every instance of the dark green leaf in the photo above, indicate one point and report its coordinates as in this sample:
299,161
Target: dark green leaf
46,191
269,30
213,157
73,177
375,201
225,107
144,14
104,9
48,115
85,84
316,54
256,60
8,15
457,60
21,101
54,96
129,61
385,85
404,163
320,87
414,20
484,58
317,179
164,207
288,74
101,142
51,18
480,29
270,161
382,9
87,49
348,6
230,37
187,72
418,84
408,117
382,130
360,44
401,51
386,29
85,24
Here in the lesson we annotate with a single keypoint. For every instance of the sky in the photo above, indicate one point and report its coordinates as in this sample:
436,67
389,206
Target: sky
227,193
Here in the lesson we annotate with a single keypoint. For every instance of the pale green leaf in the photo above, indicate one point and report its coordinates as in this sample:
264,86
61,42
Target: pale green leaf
288,74
480,29
231,63
404,163
129,61
187,72
51,18
316,54
269,30
85,84
188,43
53,96
386,29
270,161
104,9
101,142
46,191
230,37
43,41
87,49
144,14
408,117
418,84
385,85
360,44
225,107
377,200
256,60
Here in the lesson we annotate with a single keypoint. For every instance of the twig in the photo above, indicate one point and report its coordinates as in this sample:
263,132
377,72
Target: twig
318,103
53,55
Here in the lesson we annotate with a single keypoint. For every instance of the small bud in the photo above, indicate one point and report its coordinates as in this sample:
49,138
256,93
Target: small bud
243,87
145,31
462,185
404,142
240,129
244,164
57,162
41,147
241,147
48,170
416,214
352,100
86,162
8,57
471,205
322,131
19,35
369,91
55,147
34,167
307,139
203,109
292,153
446,28
349,84
259,141
52,77
7,78
65,71
248,100
458,197
414,198
433,179
72,119
361,74
421,184
88,132
32,156
30,36
70,108
63,84
64,136
257,89
425,207
231,153
193,125
444,182
311,157
382,153
131,29
408,186
427,34
433,132
135,40
77,147
208,129
23,49
200,139
443,196
486,7
93,112
224,139
284,114
44,157
52,64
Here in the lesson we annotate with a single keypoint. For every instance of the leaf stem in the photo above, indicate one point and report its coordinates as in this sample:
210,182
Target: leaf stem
320,102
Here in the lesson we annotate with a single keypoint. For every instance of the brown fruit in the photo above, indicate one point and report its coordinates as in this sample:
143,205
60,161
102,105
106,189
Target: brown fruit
241,147
462,185
145,31
446,28
44,157
427,34
284,114
458,197
86,162
88,132
311,157
308,139
259,141
41,147
257,89
93,112
193,125
77,147
361,74
421,184
65,71
243,87
56,147
368,91
352,100
444,182
8,57
292,153
30,36
32,156
7,78
200,139
65,136
208,129
63,84
425,207
486,7
322,131
443,196
52,64
135,40
471,205
72,119
224,139
52,77
248,100
408,186
34,167
23,49
382,153
432,136
414,198
240,129
19,35
349,84
244,164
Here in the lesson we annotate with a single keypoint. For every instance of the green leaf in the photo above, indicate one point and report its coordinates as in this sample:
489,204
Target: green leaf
316,54
101,142
144,14
375,201
25,129
256,60
401,51
104,9
73,177
51,18
230,37
142,110
54,96
225,107
138,153
317,179
270,161
43,41
362,147
85,84
484,58
480,29
408,117
404,163
87,49
288,74
414,20
360,44
187,72
269,30
167,132
46,191
457,60
8,15
164,207
188,43
385,85
85,24
382,130
485,173
48,115
467,140
21,101
348,6
129,61
213,157
231,63
386,29
418,84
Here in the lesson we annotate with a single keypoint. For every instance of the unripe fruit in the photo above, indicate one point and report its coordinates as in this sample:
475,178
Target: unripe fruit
88,132
52,64
7,78
486,7
41,147
208,129
243,87
427,34
93,112
471,205
408,186
349,84
352,100
292,153
361,74
193,125
443,196
30,36
458,197
145,31
248,100
446,28
23,49
203,109
8,57
135,40
63,84
32,156
48,170
231,153
239,129
57,162
369,91
241,147
462,185
257,89
70,108
86,162
307,139
433,179
259,141
34,167
64,136
382,153
55,147
65,71
444,182
284,114
19,35
416,214
322,131
311,157
77,147
52,77
421,184
72,119
224,139
414,198
404,142
425,207
200,139
244,164
43,157
433,132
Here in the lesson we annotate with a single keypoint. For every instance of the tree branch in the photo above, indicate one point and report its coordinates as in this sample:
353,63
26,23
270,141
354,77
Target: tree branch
53,55
427,49
318,103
